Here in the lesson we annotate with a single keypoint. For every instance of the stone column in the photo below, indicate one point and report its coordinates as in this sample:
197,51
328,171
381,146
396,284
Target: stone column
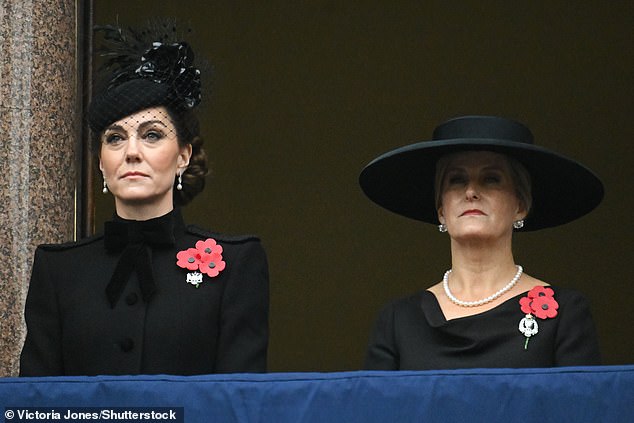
39,157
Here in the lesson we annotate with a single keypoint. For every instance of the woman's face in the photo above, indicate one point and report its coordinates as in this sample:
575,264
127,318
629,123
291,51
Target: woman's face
478,197
140,157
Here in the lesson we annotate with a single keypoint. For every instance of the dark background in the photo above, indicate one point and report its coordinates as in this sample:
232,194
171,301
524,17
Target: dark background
305,94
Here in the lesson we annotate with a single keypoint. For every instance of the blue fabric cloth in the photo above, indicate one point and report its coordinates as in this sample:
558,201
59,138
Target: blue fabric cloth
565,394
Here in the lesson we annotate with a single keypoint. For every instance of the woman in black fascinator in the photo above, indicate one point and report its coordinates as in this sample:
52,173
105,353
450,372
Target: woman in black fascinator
151,294
480,180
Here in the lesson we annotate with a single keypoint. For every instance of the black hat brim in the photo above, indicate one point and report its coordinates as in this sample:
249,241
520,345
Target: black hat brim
402,180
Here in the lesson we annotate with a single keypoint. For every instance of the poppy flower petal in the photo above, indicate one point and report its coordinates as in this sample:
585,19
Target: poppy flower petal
525,305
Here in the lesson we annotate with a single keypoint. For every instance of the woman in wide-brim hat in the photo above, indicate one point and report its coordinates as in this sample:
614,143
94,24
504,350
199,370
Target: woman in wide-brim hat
480,179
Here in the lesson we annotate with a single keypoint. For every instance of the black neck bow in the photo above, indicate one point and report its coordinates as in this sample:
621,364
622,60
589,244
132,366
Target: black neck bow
136,239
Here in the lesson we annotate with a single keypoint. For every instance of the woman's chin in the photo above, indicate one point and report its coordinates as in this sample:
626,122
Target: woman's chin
140,198
475,233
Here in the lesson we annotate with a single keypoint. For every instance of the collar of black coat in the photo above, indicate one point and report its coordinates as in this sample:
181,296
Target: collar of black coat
137,239
157,232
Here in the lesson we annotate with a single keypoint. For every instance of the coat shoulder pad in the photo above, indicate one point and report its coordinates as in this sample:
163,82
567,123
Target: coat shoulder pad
71,244
232,239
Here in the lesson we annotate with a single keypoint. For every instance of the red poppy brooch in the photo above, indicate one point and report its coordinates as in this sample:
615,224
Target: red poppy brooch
539,302
205,259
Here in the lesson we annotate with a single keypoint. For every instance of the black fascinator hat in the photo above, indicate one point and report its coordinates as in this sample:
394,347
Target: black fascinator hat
143,69
402,180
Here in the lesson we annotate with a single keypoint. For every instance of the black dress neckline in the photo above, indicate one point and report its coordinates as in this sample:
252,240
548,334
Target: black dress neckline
436,317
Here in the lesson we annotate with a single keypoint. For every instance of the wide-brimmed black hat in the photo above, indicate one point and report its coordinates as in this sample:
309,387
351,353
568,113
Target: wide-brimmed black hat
402,180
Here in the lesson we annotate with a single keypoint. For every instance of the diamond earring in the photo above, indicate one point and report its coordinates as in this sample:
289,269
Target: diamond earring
442,228
518,224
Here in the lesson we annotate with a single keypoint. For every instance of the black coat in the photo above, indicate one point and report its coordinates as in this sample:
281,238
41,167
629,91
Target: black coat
221,326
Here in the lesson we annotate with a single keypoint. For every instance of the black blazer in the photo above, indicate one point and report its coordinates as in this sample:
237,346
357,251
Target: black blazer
221,326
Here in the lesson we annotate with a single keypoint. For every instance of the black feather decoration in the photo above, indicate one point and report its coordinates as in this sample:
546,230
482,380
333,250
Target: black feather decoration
155,53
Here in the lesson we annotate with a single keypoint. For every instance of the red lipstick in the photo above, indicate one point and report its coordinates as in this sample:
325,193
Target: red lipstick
473,212
128,174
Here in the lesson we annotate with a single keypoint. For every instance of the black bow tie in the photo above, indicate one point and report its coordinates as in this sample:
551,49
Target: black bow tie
158,232
136,239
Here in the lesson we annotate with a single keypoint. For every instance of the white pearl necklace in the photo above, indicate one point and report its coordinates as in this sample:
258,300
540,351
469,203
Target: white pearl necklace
511,284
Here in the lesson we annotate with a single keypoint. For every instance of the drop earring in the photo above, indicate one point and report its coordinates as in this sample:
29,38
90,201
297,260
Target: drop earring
105,187
442,228
179,186
518,224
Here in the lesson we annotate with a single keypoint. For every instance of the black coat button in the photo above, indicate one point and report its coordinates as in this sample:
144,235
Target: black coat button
131,299
126,345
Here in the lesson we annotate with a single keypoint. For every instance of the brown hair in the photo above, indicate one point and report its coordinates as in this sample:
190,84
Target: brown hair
188,131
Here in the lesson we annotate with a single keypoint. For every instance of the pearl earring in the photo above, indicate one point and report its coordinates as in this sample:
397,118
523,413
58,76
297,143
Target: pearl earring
518,224
105,187
179,186
442,228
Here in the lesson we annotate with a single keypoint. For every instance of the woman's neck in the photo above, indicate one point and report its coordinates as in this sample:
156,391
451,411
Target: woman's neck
141,211
479,269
